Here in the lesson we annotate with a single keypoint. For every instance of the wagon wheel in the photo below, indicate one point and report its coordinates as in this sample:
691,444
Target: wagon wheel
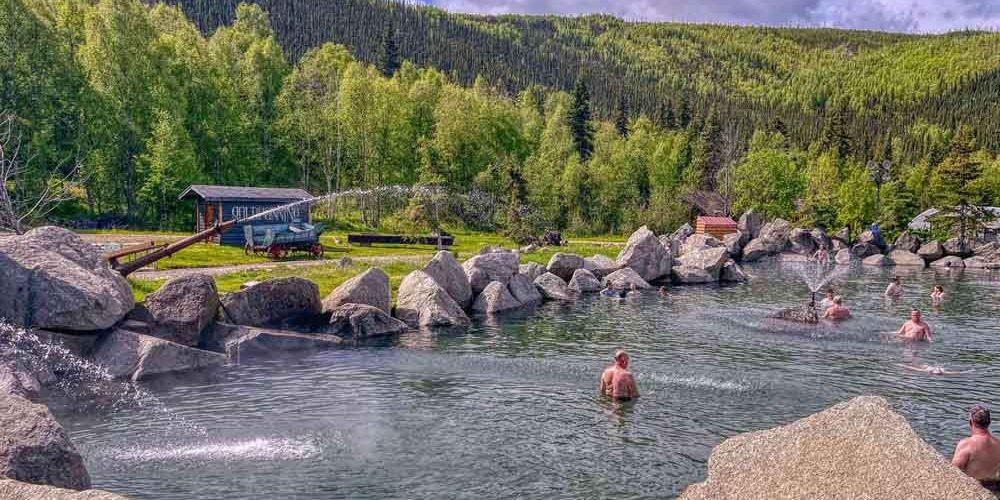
274,251
317,250
285,252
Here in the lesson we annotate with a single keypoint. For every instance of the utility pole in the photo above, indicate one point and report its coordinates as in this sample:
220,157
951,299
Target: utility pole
878,172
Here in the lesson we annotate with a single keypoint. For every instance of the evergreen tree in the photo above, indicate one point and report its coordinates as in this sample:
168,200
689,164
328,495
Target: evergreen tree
388,56
621,117
959,170
708,155
834,136
579,120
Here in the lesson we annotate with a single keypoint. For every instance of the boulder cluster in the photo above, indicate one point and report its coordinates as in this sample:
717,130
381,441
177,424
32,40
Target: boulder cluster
756,240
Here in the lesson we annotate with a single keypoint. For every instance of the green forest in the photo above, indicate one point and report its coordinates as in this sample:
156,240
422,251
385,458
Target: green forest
110,108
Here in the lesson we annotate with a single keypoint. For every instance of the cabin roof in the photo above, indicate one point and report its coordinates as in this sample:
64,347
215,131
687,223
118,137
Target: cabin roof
238,193
923,220
710,220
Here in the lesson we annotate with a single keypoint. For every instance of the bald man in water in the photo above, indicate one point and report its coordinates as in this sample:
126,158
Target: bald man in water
979,454
617,381
915,329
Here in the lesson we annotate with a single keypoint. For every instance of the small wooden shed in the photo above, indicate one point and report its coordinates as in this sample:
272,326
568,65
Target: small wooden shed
222,203
716,226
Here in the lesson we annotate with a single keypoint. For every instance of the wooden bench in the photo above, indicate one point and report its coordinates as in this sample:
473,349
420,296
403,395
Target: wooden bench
366,240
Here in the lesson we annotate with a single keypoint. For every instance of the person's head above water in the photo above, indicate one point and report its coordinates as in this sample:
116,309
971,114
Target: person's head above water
915,315
621,358
838,300
829,294
895,279
979,417
938,288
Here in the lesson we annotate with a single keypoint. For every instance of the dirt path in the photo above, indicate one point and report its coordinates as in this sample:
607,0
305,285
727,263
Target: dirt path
220,270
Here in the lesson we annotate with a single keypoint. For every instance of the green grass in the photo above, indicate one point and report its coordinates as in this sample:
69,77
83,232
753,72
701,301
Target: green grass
329,277
335,245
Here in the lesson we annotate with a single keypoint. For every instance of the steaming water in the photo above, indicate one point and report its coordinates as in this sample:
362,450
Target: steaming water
509,410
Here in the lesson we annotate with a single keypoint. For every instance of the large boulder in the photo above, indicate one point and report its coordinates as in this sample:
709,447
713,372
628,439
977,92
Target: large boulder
734,243
931,251
858,449
523,289
843,236
136,356
644,254
16,490
877,260
710,260
864,250
564,265
989,251
979,262
907,241
697,243
421,302
584,281
906,258
772,240
496,297
494,266
677,238
363,321
244,341
271,302
531,270
802,241
17,378
182,308
871,238
821,239
34,448
623,279
370,288
844,257
553,287
949,261
51,278
751,223
690,275
957,247
448,273
837,245
599,265
733,273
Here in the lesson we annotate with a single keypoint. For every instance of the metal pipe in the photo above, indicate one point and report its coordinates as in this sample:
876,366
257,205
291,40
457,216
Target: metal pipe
143,261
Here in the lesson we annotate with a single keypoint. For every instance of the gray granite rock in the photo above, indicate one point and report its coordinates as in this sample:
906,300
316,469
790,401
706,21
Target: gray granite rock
272,301
371,288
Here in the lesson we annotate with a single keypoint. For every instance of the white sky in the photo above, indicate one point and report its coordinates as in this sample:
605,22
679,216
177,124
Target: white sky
888,15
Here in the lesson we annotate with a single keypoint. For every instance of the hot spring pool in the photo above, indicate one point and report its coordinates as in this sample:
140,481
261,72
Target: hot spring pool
510,410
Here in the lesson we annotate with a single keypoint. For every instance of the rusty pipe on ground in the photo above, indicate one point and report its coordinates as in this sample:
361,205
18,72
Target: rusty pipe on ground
145,260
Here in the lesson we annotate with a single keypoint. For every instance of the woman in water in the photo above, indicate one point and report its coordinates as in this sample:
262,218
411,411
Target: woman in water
937,294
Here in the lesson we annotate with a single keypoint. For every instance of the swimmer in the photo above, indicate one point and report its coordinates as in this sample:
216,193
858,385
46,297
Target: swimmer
827,300
895,289
979,454
610,291
617,381
937,293
822,255
837,311
915,329
663,292
633,291
933,370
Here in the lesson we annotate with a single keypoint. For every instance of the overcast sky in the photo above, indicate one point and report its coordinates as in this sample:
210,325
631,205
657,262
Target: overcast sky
889,15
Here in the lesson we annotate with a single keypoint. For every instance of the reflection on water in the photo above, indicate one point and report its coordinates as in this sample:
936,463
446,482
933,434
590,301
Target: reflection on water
510,408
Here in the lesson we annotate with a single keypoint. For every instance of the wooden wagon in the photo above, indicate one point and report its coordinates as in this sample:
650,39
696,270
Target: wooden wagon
279,240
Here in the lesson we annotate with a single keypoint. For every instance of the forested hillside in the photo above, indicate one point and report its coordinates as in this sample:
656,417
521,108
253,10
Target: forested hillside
590,124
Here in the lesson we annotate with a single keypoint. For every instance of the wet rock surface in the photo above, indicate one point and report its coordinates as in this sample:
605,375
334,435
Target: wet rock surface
553,287
51,278
16,490
136,356
34,448
857,449
370,288
496,297
363,321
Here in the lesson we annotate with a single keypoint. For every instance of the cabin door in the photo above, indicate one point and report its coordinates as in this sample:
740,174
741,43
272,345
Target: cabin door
209,215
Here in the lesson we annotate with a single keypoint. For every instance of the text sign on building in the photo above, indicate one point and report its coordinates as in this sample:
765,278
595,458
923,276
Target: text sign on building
288,215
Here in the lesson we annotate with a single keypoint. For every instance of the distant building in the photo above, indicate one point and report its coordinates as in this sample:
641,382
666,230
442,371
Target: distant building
716,226
222,203
926,219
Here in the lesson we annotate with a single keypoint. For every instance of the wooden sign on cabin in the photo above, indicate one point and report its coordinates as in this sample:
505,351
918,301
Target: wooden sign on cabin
221,203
